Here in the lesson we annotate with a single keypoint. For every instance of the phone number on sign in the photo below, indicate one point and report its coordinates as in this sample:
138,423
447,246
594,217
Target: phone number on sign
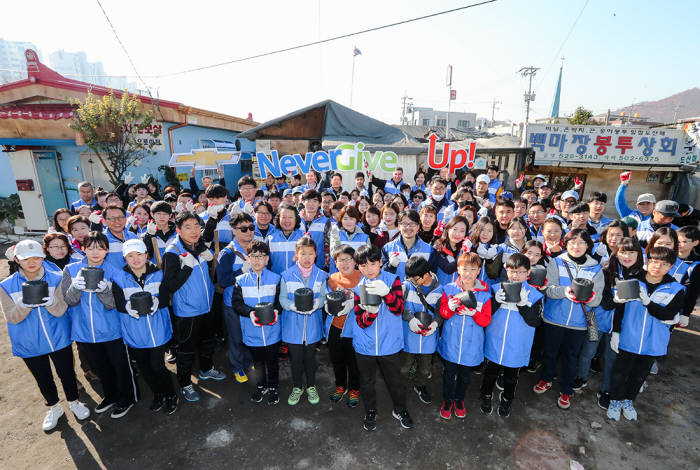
605,158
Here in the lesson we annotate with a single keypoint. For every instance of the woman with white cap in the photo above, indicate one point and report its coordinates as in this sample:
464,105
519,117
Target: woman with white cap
40,332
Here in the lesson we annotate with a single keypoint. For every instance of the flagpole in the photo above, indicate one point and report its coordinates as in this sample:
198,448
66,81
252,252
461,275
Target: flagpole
352,77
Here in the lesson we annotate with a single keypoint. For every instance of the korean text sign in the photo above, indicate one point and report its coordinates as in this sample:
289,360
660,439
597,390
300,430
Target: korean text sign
555,143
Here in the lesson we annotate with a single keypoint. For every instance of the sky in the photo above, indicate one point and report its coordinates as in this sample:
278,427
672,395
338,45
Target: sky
618,52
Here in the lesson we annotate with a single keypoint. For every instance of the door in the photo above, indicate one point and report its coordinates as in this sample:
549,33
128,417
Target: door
94,172
50,182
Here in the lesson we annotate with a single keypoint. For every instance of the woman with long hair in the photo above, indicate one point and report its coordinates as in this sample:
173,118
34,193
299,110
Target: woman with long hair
428,222
447,248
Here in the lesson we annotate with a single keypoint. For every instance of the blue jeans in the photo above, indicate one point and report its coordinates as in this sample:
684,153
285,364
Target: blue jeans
588,351
239,356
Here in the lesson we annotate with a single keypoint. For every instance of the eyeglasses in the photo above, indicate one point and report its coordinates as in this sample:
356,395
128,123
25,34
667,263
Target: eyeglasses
344,260
519,273
658,262
115,219
257,256
247,228
408,225
536,212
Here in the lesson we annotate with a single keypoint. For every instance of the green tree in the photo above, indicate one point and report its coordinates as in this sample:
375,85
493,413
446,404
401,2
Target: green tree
581,116
109,126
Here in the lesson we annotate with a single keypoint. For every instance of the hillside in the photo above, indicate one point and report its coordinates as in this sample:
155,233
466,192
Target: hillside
664,110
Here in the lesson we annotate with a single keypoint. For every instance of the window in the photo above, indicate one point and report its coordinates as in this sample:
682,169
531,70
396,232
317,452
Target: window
426,122
463,123
442,122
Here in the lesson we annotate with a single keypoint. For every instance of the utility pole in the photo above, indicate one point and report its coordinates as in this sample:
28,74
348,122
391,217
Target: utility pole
448,82
406,104
493,110
529,96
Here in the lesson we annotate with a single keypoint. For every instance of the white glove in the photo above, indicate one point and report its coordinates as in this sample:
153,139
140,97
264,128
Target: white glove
213,211
179,207
144,179
482,212
618,300
644,295
487,253
132,313
569,294
500,296
248,208
207,255
370,308
245,267
49,301
151,228
524,299
253,318
615,342
454,304
470,312
377,287
347,307
189,206
394,259
95,217
431,329
102,286
414,325
154,309
187,259
128,178
683,321
78,282
131,220
602,250
235,209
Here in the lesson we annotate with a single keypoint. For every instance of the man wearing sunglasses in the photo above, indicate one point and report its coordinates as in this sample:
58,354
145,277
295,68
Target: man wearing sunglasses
231,264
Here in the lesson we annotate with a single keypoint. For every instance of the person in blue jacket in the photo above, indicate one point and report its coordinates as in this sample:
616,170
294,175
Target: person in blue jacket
643,332
302,329
95,323
377,336
116,233
186,276
283,240
448,247
645,202
314,224
510,334
146,333
422,292
256,286
231,264
395,254
40,333
216,218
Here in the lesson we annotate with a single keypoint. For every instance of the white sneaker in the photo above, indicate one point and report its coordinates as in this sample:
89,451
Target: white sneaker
52,416
79,409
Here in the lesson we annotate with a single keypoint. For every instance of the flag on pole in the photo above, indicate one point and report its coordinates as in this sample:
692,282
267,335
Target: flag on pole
356,52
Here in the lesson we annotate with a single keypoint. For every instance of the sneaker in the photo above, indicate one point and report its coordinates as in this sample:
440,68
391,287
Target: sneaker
118,411
404,418
533,366
171,404
499,383
258,394
171,358
353,398
486,405
295,396
423,394
564,401
643,387
370,421
157,403
604,400
579,384
595,365
446,409
504,407
628,410
312,395
460,409
542,387
240,377
79,409
213,374
189,393
614,410
103,406
654,368
272,396
52,417
338,395
284,352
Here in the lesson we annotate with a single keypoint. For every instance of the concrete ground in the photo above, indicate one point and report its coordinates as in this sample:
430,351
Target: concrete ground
225,430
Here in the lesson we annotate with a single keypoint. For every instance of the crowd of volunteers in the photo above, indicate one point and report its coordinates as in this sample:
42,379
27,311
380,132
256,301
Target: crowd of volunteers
450,272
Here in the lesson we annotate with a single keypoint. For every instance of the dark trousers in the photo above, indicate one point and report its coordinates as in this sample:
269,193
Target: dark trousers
151,364
82,358
267,365
391,370
343,359
194,334
628,374
40,367
423,364
510,379
238,355
563,343
303,358
455,380
537,345
110,361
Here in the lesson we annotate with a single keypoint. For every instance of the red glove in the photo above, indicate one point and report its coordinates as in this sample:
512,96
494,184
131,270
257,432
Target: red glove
519,181
578,183
467,245
625,177
439,229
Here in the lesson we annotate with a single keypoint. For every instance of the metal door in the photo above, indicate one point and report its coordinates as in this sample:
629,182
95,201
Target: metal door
50,182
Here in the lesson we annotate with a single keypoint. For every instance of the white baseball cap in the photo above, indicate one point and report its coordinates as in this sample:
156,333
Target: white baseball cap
646,197
483,179
569,194
134,244
28,249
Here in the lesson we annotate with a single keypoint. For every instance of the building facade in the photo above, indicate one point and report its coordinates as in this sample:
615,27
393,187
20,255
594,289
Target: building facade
432,117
